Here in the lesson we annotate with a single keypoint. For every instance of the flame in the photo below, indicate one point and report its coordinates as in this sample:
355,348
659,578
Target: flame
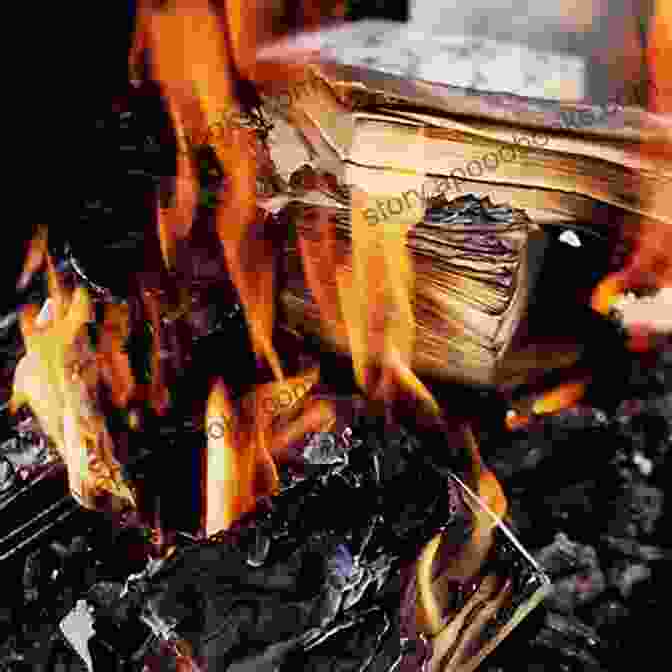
375,296
561,397
240,465
607,293
57,378
223,468
113,361
514,421
195,48
191,59
317,415
651,261
159,398
181,38
174,220
554,400
35,258
659,42
252,27
319,258
468,560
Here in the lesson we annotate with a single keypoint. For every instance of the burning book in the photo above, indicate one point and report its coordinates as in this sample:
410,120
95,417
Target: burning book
416,148
472,282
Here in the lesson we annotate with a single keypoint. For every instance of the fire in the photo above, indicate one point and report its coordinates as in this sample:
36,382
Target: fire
191,54
554,400
319,257
195,48
158,392
607,293
514,421
224,490
466,563
651,262
561,397
376,295
660,39
57,378
115,368
35,257
246,439
190,57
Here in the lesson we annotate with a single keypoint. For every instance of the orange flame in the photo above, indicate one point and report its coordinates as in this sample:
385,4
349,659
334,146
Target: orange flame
223,503
35,258
253,25
660,40
159,398
514,421
651,262
561,397
375,300
554,400
240,467
179,39
607,293
57,378
113,361
317,246
190,54
466,563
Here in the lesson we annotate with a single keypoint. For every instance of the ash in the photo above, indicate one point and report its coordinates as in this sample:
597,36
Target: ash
588,493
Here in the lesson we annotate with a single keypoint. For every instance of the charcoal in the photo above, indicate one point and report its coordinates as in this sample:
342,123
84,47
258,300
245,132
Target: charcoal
576,574
626,574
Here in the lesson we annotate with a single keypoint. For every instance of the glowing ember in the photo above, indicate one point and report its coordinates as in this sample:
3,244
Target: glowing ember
559,398
607,293
515,421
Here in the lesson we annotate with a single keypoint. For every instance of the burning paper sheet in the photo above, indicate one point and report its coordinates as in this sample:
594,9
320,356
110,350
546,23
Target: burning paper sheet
57,378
